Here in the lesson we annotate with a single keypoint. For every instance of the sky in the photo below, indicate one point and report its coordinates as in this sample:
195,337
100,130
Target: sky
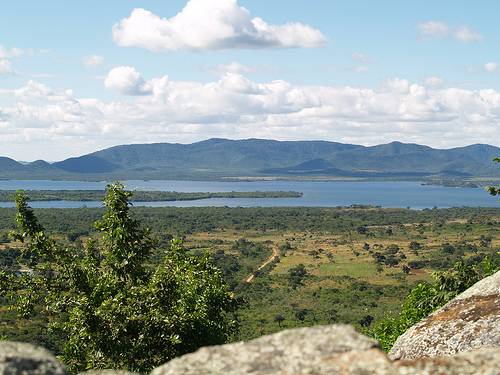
76,77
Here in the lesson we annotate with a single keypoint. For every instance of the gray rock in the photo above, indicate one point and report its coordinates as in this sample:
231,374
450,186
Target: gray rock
25,359
470,321
336,349
107,372
478,362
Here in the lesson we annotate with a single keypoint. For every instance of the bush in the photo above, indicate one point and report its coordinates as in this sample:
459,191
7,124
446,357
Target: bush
113,309
428,297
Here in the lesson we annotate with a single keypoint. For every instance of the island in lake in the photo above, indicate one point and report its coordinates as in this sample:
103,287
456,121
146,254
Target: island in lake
142,196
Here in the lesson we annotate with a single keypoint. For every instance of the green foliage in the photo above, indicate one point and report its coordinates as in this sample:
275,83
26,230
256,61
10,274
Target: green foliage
492,189
113,309
296,275
143,196
428,297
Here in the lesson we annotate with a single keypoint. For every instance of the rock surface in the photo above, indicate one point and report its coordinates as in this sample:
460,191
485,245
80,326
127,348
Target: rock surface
25,359
478,362
469,321
337,349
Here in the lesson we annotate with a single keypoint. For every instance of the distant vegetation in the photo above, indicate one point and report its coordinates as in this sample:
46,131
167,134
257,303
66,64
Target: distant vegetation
142,196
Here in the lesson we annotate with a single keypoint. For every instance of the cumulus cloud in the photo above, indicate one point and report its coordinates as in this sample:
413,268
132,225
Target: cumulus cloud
232,67
6,67
128,81
234,106
491,67
211,25
437,29
92,61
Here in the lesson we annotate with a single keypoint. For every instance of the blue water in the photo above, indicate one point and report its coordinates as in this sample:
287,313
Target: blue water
316,193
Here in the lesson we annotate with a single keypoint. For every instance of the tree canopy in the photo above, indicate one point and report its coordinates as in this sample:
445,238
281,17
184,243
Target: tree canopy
113,308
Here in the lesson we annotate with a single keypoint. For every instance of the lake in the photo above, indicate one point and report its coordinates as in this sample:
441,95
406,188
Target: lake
316,193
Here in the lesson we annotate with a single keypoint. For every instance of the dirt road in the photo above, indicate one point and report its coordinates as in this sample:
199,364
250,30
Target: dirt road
274,255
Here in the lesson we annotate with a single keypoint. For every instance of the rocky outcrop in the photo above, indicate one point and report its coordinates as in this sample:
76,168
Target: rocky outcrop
322,350
470,321
337,349
478,362
327,350
462,338
25,359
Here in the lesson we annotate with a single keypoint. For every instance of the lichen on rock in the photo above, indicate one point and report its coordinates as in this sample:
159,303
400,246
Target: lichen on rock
469,321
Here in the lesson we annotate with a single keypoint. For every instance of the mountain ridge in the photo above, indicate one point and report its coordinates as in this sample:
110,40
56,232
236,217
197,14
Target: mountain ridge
217,158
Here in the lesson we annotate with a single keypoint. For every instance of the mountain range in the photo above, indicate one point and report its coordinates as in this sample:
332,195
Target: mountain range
223,158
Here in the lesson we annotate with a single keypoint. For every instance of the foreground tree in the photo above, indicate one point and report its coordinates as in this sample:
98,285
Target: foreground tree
113,308
492,189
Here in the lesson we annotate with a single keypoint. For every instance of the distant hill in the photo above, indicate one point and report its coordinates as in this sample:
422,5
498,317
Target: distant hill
217,158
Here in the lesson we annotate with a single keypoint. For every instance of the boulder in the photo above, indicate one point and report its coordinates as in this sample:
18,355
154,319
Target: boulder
25,359
107,372
336,349
477,362
469,321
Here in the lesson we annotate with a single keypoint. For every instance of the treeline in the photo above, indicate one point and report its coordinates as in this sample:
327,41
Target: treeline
142,196
183,221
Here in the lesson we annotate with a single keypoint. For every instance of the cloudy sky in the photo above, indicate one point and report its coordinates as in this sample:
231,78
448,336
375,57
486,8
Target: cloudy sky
76,77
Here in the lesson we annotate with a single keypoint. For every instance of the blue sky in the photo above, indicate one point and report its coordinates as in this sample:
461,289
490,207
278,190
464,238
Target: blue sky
367,72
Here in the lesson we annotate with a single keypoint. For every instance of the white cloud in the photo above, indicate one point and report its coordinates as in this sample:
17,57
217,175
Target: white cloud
232,67
360,69
128,81
434,81
491,67
92,61
237,107
439,29
361,57
467,35
433,28
12,52
6,67
211,25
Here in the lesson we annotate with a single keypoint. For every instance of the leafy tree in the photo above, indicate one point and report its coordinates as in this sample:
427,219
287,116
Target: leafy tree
112,307
428,297
296,275
301,314
366,321
279,319
492,189
414,246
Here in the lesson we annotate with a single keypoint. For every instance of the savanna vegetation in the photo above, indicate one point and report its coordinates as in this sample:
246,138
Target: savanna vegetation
279,268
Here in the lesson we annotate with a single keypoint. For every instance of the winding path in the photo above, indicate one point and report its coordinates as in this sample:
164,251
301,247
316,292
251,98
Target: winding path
273,256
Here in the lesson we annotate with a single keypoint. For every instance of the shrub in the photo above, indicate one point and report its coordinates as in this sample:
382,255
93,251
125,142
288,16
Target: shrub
427,297
113,309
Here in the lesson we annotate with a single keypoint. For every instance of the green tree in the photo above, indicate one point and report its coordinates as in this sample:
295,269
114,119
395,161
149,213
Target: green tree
279,319
492,189
428,297
113,308
296,275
